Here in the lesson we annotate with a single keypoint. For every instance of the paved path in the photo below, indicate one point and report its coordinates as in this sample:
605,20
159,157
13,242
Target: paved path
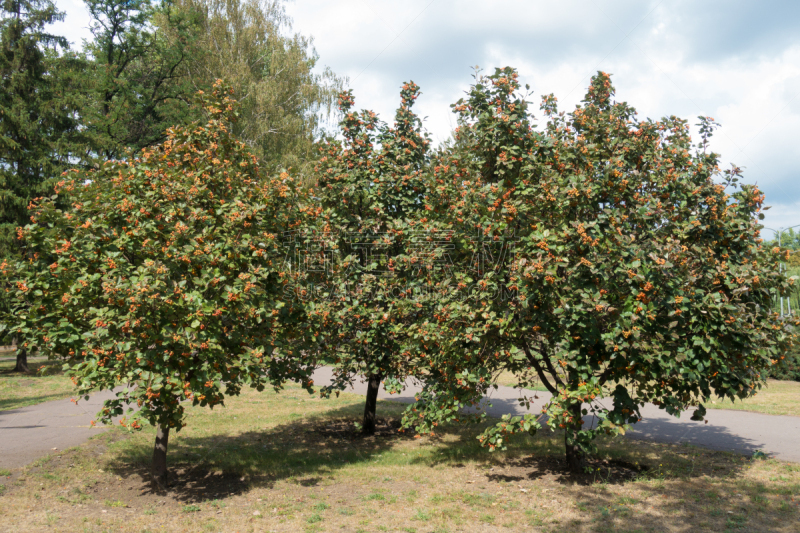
736,431
29,433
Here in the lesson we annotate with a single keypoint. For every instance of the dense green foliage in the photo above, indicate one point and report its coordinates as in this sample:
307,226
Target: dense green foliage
129,79
34,115
369,192
146,60
620,258
165,276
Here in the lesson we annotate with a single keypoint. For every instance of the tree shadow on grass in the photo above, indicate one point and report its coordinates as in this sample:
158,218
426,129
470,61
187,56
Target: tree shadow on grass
617,461
727,500
640,485
306,451
309,451
531,458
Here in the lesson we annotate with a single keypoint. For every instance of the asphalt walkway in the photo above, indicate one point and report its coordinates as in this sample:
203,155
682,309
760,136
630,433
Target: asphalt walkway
32,432
735,431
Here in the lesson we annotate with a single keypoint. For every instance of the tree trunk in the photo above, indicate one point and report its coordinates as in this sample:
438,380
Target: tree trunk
576,458
22,360
160,457
373,387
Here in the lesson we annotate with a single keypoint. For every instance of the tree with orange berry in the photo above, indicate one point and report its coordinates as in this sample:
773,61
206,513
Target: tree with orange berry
370,199
602,255
164,280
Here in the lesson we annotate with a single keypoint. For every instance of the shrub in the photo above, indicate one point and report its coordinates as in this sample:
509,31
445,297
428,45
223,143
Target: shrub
370,194
164,278
602,252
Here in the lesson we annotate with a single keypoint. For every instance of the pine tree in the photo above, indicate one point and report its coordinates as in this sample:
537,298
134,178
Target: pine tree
30,122
32,117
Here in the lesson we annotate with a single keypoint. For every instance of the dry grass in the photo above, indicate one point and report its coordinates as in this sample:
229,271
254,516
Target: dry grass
18,390
776,398
507,379
290,463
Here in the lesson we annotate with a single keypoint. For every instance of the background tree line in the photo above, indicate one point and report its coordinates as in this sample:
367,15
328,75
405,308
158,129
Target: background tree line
61,107
789,369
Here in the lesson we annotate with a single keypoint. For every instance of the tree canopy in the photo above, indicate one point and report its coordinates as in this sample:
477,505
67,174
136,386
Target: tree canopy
369,192
603,255
165,276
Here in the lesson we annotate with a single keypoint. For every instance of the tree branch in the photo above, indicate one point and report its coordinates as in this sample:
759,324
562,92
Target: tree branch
552,370
535,363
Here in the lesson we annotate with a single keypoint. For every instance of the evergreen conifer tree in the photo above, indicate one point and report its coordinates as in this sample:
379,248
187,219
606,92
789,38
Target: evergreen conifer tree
33,116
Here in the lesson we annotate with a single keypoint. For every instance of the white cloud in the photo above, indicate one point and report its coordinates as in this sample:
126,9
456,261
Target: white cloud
728,60
75,26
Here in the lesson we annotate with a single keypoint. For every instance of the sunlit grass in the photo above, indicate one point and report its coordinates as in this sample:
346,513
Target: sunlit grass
292,462
20,390
776,398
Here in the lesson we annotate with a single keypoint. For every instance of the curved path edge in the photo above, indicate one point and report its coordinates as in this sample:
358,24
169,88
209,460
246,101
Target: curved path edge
32,432
727,430
35,431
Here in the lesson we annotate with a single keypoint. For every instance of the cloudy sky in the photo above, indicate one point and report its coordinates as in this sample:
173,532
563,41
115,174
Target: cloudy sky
737,61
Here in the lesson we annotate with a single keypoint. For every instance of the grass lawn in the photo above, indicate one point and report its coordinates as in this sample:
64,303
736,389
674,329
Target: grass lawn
507,379
293,463
18,390
775,398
